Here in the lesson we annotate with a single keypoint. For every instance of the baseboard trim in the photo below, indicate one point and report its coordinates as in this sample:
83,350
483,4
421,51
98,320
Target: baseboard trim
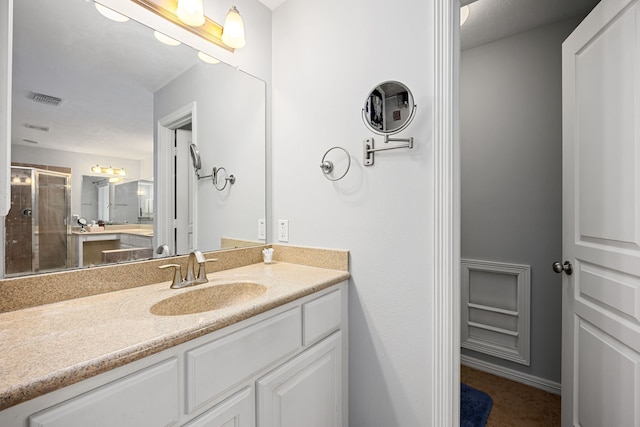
510,374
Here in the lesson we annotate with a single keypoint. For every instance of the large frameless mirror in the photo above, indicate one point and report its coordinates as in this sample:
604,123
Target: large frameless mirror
89,96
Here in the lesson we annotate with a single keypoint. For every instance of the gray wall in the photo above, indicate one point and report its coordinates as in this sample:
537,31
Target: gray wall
511,160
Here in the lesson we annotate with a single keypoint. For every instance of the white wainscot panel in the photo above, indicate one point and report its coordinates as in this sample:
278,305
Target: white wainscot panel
495,309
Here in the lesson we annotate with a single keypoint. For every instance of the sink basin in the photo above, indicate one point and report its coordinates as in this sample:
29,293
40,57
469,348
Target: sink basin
208,299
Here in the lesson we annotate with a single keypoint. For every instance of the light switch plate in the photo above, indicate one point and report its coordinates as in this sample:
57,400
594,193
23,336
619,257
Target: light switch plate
283,230
262,229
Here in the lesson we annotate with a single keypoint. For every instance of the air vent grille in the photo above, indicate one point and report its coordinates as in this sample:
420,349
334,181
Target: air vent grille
45,99
36,127
30,141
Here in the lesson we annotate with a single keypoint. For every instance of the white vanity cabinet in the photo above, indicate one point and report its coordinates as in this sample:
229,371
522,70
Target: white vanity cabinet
285,367
306,391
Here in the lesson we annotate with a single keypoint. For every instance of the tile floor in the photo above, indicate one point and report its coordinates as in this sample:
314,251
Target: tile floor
514,404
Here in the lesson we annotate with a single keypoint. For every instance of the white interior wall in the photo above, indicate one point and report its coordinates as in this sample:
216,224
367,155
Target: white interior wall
328,50
80,164
511,166
229,129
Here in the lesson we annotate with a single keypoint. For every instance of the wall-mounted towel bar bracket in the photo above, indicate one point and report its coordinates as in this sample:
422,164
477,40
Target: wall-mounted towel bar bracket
369,148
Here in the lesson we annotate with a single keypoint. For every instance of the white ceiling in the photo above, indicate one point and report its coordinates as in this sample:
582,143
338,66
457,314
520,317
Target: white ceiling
272,4
491,20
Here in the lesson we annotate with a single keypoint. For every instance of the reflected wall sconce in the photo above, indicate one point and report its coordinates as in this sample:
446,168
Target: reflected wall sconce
464,14
189,14
108,170
165,39
111,14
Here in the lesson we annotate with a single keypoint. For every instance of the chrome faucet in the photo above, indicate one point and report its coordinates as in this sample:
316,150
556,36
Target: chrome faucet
191,277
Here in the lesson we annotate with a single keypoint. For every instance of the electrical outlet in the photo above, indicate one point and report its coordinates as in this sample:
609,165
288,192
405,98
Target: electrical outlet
262,229
283,230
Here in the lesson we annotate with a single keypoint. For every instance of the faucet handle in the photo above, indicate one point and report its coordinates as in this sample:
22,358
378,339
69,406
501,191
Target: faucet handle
202,271
177,275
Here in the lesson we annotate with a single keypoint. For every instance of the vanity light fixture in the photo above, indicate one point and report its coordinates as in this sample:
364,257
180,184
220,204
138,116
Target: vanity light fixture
464,14
108,170
191,12
165,39
172,10
208,59
111,14
233,30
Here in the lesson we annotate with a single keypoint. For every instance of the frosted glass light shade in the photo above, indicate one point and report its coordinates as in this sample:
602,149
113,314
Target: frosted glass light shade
191,12
233,31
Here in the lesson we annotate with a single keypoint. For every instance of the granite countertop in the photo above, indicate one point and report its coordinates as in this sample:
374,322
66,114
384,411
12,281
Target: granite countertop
50,346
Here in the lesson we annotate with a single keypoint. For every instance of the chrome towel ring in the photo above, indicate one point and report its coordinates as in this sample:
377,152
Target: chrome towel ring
328,166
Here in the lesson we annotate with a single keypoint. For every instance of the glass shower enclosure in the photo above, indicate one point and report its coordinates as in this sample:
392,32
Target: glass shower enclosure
37,227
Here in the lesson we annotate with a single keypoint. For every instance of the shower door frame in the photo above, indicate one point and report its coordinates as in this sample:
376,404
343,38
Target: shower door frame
35,219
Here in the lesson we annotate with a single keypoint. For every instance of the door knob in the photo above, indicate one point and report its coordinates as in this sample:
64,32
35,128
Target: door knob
566,267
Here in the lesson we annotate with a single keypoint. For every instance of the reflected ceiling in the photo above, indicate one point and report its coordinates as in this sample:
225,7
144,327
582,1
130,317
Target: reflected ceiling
42,48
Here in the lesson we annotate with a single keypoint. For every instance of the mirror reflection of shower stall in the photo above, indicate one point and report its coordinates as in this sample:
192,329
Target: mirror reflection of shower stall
37,226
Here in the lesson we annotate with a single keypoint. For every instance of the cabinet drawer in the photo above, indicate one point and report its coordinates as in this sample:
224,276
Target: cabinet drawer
216,366
322,316
148,397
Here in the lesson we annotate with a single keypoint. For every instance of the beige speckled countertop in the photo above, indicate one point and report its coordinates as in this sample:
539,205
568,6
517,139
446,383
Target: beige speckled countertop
50,346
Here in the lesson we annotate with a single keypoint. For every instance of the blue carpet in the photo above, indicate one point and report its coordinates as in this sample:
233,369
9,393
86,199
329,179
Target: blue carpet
475,406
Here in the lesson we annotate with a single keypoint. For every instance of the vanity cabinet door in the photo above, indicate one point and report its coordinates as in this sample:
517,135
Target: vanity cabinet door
305,391
236,411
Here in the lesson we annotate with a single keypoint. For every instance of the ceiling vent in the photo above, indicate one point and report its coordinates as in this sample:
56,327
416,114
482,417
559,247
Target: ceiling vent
30,141
36,127
45,99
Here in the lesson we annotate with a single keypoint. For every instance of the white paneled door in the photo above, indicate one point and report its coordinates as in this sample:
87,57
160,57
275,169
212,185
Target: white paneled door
184,192
601,218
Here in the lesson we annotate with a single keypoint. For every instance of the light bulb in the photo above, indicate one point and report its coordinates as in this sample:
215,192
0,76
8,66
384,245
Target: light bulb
191,12
233,31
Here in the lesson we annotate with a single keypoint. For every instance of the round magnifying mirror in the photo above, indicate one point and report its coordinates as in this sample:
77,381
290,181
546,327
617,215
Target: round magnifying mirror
389,108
